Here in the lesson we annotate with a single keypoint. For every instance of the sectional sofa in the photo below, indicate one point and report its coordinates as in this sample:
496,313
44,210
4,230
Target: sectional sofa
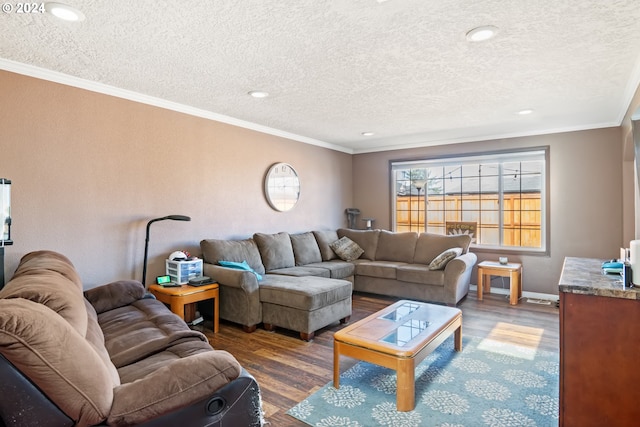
303,281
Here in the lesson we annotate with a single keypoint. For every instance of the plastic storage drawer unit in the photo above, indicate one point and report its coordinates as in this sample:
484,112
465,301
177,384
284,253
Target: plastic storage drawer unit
182,271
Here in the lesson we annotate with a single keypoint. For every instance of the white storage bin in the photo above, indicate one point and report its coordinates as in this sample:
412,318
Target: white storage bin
182,271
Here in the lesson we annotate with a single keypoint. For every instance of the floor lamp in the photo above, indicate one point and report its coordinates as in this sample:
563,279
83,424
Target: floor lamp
146,240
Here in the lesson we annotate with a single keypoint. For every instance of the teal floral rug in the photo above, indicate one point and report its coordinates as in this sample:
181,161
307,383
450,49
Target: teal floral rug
488,383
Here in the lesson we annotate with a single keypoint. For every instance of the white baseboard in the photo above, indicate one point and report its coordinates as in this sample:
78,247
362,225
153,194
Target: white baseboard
525,294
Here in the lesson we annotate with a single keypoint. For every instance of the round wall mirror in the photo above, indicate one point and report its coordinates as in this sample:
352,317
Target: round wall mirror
282,187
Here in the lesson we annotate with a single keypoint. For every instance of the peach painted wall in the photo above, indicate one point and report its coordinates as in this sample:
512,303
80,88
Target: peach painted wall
586,205
89,170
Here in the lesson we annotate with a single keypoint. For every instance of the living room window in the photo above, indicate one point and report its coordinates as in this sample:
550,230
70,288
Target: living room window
500,199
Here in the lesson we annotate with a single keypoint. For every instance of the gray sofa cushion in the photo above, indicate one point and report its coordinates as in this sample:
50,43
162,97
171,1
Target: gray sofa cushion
366,239
396,246
214,250
418,273
305,248
324,239
275,249
304,293
431,245
302,270
339,269
381,269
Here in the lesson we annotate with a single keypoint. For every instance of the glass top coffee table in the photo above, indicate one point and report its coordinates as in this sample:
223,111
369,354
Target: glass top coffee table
398,337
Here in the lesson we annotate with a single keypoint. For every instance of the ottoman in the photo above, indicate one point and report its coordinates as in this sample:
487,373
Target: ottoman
304,304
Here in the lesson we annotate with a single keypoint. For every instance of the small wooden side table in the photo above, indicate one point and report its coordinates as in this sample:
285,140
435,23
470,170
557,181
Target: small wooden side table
512,270
178,297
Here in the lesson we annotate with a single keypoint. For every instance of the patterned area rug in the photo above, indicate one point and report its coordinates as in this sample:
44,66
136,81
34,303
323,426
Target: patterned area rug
488,383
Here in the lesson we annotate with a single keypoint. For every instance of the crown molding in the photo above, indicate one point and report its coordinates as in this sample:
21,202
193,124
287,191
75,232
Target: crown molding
68,80
484,138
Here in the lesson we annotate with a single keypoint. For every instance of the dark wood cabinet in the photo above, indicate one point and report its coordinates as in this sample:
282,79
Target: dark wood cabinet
599,361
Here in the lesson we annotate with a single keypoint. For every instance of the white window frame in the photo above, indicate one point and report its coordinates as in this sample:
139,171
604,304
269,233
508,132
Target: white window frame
500,157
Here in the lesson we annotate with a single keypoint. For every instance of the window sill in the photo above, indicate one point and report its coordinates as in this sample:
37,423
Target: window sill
502,250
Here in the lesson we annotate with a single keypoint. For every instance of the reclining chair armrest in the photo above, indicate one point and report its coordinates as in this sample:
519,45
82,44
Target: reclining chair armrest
237,404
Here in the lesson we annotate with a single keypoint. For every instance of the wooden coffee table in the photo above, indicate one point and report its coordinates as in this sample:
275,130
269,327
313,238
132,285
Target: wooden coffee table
398,337
178,297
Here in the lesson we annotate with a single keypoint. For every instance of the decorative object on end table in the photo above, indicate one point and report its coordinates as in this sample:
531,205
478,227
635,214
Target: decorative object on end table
146,239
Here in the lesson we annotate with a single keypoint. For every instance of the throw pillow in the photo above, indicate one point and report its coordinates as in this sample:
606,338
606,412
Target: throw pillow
240,266
440,262
346,249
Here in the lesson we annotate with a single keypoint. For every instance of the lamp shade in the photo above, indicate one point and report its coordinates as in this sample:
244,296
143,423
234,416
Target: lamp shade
5,212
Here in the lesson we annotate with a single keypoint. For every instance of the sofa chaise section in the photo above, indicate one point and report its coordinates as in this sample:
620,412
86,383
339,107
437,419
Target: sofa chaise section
276,289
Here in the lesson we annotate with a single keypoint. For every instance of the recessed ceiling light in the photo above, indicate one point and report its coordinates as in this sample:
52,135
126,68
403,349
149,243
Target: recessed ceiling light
64,11
525,112
480,34
367,133
259,94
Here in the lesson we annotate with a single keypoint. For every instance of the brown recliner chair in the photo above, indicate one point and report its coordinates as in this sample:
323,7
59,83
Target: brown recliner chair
109,356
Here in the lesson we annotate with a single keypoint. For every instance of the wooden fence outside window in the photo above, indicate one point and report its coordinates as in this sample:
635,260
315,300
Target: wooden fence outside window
522,216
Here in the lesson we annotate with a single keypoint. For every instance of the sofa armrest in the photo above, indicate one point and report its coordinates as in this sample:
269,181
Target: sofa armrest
457,276
461,263
232,277
114,295
239,295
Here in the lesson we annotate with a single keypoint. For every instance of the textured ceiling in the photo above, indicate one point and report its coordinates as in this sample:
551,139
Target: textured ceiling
336,68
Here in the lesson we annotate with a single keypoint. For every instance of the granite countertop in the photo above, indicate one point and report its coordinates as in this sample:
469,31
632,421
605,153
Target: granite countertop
584,276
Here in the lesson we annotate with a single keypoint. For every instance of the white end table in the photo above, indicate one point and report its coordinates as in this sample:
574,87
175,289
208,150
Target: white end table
512,270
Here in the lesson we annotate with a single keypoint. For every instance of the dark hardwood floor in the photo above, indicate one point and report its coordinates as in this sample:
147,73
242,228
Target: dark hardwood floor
289,369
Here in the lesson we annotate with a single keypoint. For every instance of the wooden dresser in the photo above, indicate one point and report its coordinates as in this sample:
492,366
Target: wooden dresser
599,347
